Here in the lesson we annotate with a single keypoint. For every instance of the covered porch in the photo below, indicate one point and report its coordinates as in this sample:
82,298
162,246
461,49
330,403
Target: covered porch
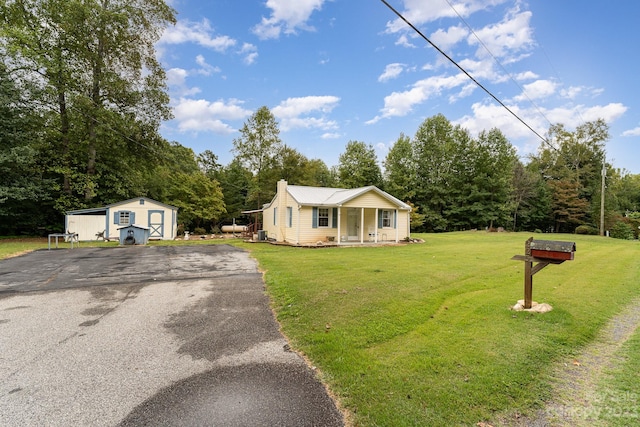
360,225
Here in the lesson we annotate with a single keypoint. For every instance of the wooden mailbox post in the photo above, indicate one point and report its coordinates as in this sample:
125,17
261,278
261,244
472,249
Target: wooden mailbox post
542,253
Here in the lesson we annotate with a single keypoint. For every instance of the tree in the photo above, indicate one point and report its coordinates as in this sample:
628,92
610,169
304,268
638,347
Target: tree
179,181
317,174
571,163
236,182
25,193
433,146
358,166
493,177
257,149
104,88
400,169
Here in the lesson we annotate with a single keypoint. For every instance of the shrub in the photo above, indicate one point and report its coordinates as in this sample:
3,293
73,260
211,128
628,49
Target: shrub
180,230
622,231
199,230
586,229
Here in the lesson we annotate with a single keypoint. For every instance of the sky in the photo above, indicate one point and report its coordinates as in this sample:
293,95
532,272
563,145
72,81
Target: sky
334,71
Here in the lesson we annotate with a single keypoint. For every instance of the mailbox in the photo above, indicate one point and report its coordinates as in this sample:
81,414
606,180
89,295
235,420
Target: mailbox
552,249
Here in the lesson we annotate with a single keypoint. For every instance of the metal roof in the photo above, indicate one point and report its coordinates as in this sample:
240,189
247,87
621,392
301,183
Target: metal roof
324,196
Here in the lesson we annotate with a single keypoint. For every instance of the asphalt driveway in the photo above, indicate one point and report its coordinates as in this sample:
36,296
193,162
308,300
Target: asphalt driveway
173,335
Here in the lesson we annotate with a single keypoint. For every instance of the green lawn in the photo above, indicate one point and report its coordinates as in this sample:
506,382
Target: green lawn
422,334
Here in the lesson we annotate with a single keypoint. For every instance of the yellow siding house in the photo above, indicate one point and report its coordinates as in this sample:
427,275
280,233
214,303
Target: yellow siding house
307,215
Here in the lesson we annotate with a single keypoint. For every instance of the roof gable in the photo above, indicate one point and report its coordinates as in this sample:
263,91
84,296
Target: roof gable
146,200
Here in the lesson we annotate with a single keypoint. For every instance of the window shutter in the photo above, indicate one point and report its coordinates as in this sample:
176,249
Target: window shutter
275,216
395,219
314,217
334,221
116,218
132,218
379,218
290,216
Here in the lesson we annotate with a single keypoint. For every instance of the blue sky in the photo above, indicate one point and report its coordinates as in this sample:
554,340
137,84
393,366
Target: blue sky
332,71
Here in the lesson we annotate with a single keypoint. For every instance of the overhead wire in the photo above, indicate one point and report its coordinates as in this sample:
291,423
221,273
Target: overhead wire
487,91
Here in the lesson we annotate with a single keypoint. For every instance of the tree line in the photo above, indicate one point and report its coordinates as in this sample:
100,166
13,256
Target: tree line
80,113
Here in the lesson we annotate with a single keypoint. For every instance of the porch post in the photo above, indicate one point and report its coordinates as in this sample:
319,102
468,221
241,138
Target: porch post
339,235
375,225
361,226
397,224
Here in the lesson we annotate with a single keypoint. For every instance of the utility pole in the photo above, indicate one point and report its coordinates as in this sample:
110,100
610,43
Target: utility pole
604,175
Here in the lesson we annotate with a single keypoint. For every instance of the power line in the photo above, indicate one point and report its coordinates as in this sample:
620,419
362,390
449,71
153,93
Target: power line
465,72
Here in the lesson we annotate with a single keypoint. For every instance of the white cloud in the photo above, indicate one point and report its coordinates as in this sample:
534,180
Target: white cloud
449,38
402,103
609,113
403,40
201,115
177,82
420,12
513,34
391,71
250,53
537,90
205,68
632,132
331,135
295,112
526,75
286,16
491,115
201,33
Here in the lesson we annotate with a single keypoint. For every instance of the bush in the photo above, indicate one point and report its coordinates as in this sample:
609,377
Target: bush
586,229
199,231
622,231
180,230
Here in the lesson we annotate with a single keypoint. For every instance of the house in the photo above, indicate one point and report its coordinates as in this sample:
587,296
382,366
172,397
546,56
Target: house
306,215
90,224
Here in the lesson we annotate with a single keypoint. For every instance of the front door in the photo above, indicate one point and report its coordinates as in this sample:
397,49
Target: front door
353,224
156,224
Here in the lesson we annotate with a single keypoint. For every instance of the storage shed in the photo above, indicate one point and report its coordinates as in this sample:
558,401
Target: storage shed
92,224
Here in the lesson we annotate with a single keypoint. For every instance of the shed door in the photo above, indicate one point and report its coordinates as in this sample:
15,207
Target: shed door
156,224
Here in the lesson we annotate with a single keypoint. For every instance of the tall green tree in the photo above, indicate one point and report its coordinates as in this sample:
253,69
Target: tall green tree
258,148
571,164
103,87
25,192
400,169
358,166
178,180
493,174
434,145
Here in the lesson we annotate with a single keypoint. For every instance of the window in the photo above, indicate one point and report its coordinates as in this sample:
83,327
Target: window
289,216
323,217
275,216
124,218
387,219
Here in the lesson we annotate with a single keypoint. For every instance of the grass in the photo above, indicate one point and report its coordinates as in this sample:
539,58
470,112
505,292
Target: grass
422,334
618,393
